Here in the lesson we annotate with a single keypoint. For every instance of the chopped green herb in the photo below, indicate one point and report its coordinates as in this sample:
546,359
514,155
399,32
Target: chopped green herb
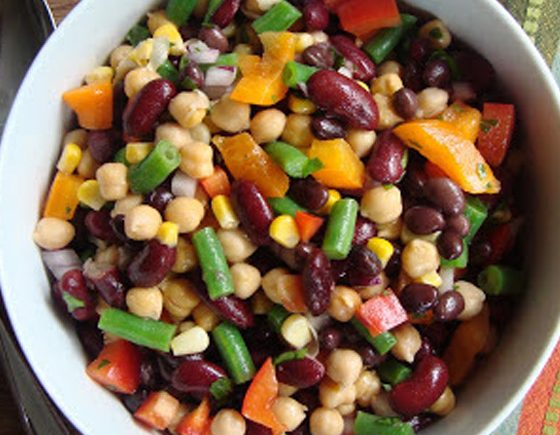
481,171
436,33
487,124
72,303
137,34
103,363
290,356
457,108
388,186
221,388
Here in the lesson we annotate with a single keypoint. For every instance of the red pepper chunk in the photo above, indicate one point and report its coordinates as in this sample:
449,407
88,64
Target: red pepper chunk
362,18
117,367
196,422
382,313
158,410
496,130
308,225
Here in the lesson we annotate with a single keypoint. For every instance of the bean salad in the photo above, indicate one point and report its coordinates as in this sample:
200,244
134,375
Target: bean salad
276,216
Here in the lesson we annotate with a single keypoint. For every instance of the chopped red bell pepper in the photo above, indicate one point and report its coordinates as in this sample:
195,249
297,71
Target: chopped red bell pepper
196,422
362,18
496,130
260,397
333,4
158,410
308,225
382,313
117,367
501,241
217,183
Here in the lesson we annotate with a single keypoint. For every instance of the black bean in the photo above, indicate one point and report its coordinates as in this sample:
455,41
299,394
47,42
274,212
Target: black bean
394,265
133,401
437,73
370,357
195,75
101,144
309,193
450,245
459,223
414,182
423,220
363,231
446,195
364,266
412,77
480,252
214,38
330,338
449,305
159,198
419,49
418,298
327,128
405,103
319,55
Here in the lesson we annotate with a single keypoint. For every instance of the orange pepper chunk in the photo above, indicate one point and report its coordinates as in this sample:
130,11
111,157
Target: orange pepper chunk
342,167
248,161
465,118
280,46
445,146
63,196
93,104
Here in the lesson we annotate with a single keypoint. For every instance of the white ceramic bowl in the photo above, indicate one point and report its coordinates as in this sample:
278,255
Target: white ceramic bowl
31,145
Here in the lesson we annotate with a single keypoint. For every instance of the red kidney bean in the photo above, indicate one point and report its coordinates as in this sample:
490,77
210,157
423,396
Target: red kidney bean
309,193
90,337
225,14
425,350
422,389
254,212
449,305
338,95
308,397
363,231
423,220
327,128
196,376
151,264
475,69
330,338
363,67
254,428
339,269
145,108
159,198
295,257
301,373
101,144
364,266
459,223
437,73
318,282
319,55
418,298
412,76
405,103
98,224
194,73
419,49
480,252
76,296
446,195
315,15
450,245
214,38
107,280
386,161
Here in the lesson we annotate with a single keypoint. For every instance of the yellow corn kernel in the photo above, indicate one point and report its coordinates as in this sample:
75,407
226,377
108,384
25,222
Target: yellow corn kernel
69,159
224,213
432,278
90,195
303,41
382,248
168,234
101,74
301,106
334,196
363,85
171,33
137,151
142,53
284,231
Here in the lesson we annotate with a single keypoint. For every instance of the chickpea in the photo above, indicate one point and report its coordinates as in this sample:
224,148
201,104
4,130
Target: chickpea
289,412
381,406
268,125
205,317
391,230
157,19
437,33
332,394
236,244
270,284
246,279
197,160
179,297
346,409
326,421
370,291
408,342
390,67
344,366
445,403
387,84
419,257
185,212
344,302
297,131
230,115
87,166
53,233
407,236
382,204
173,133
388,117
474,299
78,136
145,302
260,303
136,79
228,422
119,54
303,41
432,102
189,108
319,37
361,141
201,133
285,390
368,386
112,179
142,222
109,255
124,205
185,258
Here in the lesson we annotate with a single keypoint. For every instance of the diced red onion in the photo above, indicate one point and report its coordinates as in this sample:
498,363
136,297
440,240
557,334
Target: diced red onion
220,76
345,71
183,185
200,53
463,91
60,262
216,92
447,275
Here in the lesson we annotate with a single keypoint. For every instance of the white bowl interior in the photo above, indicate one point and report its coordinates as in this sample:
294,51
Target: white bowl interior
31,145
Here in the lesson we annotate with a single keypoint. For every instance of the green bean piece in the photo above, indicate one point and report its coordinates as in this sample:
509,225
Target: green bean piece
385,41
497,280
120,157
294,163
234,352
476,212
461,261
168,71
276,317
296,73
154,169
369,424
137,34
340,229
215,270
213,6
393,372
143,332
277,19
383,343
221,388
285,205
179,11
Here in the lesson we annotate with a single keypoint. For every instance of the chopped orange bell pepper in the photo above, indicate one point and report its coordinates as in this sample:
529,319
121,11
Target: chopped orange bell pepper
93,104
361,18
465,118
308,225
217,183
342,167
248,161
445,146
158,410
196,422
279,46
63,196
